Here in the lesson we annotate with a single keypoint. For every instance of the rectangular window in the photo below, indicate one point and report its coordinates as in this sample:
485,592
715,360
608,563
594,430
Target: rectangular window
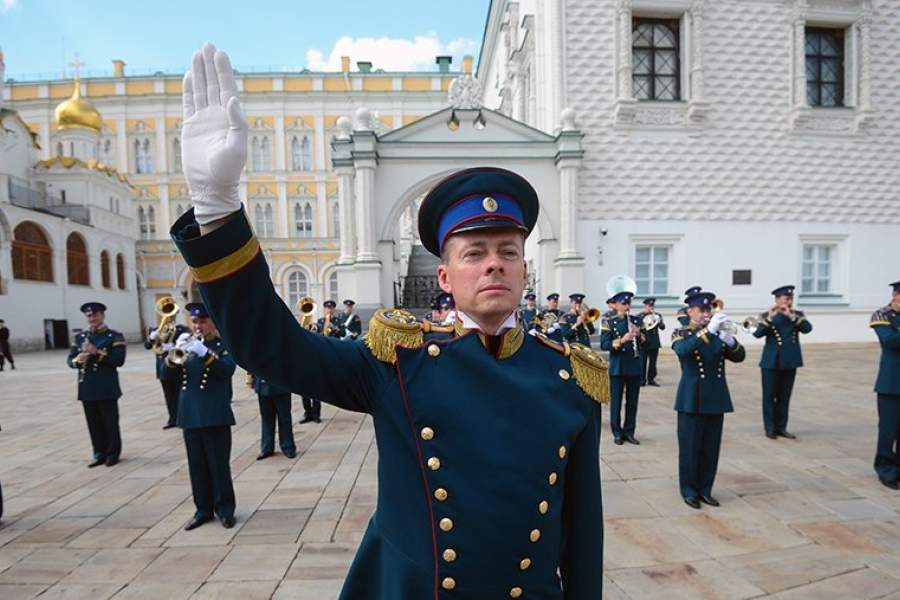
816,277
651,270
656,68
742,277
824,67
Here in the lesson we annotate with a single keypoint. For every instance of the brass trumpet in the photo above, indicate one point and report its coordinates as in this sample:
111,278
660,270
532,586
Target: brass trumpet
167,309
588,314
306,306
177,356
748,325
650,321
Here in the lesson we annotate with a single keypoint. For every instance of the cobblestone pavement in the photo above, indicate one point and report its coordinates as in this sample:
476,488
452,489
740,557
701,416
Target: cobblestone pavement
799,519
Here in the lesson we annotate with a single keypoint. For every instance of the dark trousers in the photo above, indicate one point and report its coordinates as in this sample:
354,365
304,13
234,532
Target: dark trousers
270,408
312,408
777,385
170,391
6,354
630,386
887,455
209,455
699,442
102,418
648,365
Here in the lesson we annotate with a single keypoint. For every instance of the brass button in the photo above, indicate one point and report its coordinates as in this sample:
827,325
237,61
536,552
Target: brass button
516,592
449,555
440,494
427,433
562,451
524,564
535,535
564,375
543,507
449,583
434,463
446,524
552,478
433,350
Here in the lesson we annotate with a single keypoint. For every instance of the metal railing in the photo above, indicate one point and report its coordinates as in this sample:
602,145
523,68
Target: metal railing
418,290
25,196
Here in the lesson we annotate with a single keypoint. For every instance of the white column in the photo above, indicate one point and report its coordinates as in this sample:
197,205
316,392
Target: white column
279,143
322,209
697,91
800,59
568,197
624,50
165,213
122,145
365,218
864,28
345,204
162,159
282,208
319,140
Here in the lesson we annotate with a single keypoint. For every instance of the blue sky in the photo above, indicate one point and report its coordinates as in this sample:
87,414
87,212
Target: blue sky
40,37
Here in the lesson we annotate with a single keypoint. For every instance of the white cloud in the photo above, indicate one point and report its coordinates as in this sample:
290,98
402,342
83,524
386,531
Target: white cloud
390,54
8,5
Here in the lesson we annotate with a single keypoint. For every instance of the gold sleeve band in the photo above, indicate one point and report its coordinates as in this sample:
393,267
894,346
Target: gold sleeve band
227,265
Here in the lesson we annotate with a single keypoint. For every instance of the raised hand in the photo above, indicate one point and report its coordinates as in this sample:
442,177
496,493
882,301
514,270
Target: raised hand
213,135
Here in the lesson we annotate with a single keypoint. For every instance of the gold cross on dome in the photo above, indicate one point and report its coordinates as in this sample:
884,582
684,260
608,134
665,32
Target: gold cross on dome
77,64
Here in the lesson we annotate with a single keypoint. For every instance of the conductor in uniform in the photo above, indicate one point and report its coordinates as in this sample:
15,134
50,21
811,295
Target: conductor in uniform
620,335
489,480
781,327
97,354
575,325
886,324
703,397
650,349
205,418
274,406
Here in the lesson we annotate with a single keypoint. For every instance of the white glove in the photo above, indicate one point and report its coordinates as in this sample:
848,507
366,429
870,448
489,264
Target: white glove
197,347
182,339
154,334
213,135
167,346
727,337
553,328
715,322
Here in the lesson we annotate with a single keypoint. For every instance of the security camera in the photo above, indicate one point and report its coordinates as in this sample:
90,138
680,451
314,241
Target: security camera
604,231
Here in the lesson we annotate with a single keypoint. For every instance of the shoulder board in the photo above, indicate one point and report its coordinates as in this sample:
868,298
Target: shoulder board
882,316
544,340
389,328
429,327
680,333
591,372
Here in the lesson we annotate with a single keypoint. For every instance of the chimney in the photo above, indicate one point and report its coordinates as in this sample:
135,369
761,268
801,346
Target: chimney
467,63
364,67
118,68
345,64
443,63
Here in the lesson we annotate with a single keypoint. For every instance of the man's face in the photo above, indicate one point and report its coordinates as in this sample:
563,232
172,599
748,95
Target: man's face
784,301
553,304
895,298
348,309
699,314
485,271
203,325
622,306
529,303
329,310
95,319
648,308
574,306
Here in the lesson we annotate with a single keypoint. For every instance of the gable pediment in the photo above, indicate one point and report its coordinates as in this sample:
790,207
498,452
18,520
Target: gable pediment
497,129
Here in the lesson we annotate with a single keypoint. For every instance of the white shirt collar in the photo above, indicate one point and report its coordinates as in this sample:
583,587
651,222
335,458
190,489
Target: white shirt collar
469,323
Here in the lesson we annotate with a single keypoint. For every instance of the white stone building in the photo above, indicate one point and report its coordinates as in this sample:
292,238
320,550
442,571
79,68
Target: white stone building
764,152
67,231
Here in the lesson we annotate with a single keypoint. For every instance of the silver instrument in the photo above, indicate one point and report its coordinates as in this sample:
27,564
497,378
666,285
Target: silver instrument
177,356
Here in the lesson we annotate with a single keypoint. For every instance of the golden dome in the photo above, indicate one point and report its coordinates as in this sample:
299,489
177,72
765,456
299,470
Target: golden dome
78,112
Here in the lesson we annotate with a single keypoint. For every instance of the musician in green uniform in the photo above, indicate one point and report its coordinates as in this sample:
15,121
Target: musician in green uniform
205,417
650,349
528,314
703,397
488,438
97,354
274,406
549,319
886,324
350,321
577,325
621,336
169,375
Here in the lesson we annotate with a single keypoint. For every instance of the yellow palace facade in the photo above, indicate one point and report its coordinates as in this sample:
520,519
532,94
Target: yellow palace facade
288,188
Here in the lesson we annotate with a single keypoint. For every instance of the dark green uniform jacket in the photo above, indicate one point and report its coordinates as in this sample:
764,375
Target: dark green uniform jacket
886,323
264,387
98,378
205,399
488,474
581,334
782,349
703,388
623,360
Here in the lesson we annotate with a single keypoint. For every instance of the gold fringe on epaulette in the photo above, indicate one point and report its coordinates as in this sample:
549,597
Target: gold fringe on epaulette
591,372
389,328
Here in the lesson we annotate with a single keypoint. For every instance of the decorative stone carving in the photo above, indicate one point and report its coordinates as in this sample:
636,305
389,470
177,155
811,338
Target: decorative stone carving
465,93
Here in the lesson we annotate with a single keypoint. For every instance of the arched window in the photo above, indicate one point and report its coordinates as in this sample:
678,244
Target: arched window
303,218
77,260
297,287
176,155
143,159
336,219
255,156
31,253
104,269
333,286
59,148
305,155
296,161
265,148
120,271
264,220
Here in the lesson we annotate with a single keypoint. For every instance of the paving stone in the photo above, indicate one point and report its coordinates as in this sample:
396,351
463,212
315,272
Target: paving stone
45,565
255,563
862,583
100,537
157,591
120,565
183,565
703,579
230,590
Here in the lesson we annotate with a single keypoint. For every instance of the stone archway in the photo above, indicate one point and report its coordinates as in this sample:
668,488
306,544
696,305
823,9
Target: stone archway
380,176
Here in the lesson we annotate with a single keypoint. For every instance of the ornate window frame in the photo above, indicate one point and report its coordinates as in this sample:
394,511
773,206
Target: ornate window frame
855,17
693,109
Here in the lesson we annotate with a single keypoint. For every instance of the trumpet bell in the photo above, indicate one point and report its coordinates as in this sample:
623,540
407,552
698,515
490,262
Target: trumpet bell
592,314
619,284
749,324
166,307
718,305
651,321
306,306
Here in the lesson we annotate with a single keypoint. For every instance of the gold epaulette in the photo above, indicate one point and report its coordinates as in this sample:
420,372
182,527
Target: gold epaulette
591,372
429,327
881,317
392,327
